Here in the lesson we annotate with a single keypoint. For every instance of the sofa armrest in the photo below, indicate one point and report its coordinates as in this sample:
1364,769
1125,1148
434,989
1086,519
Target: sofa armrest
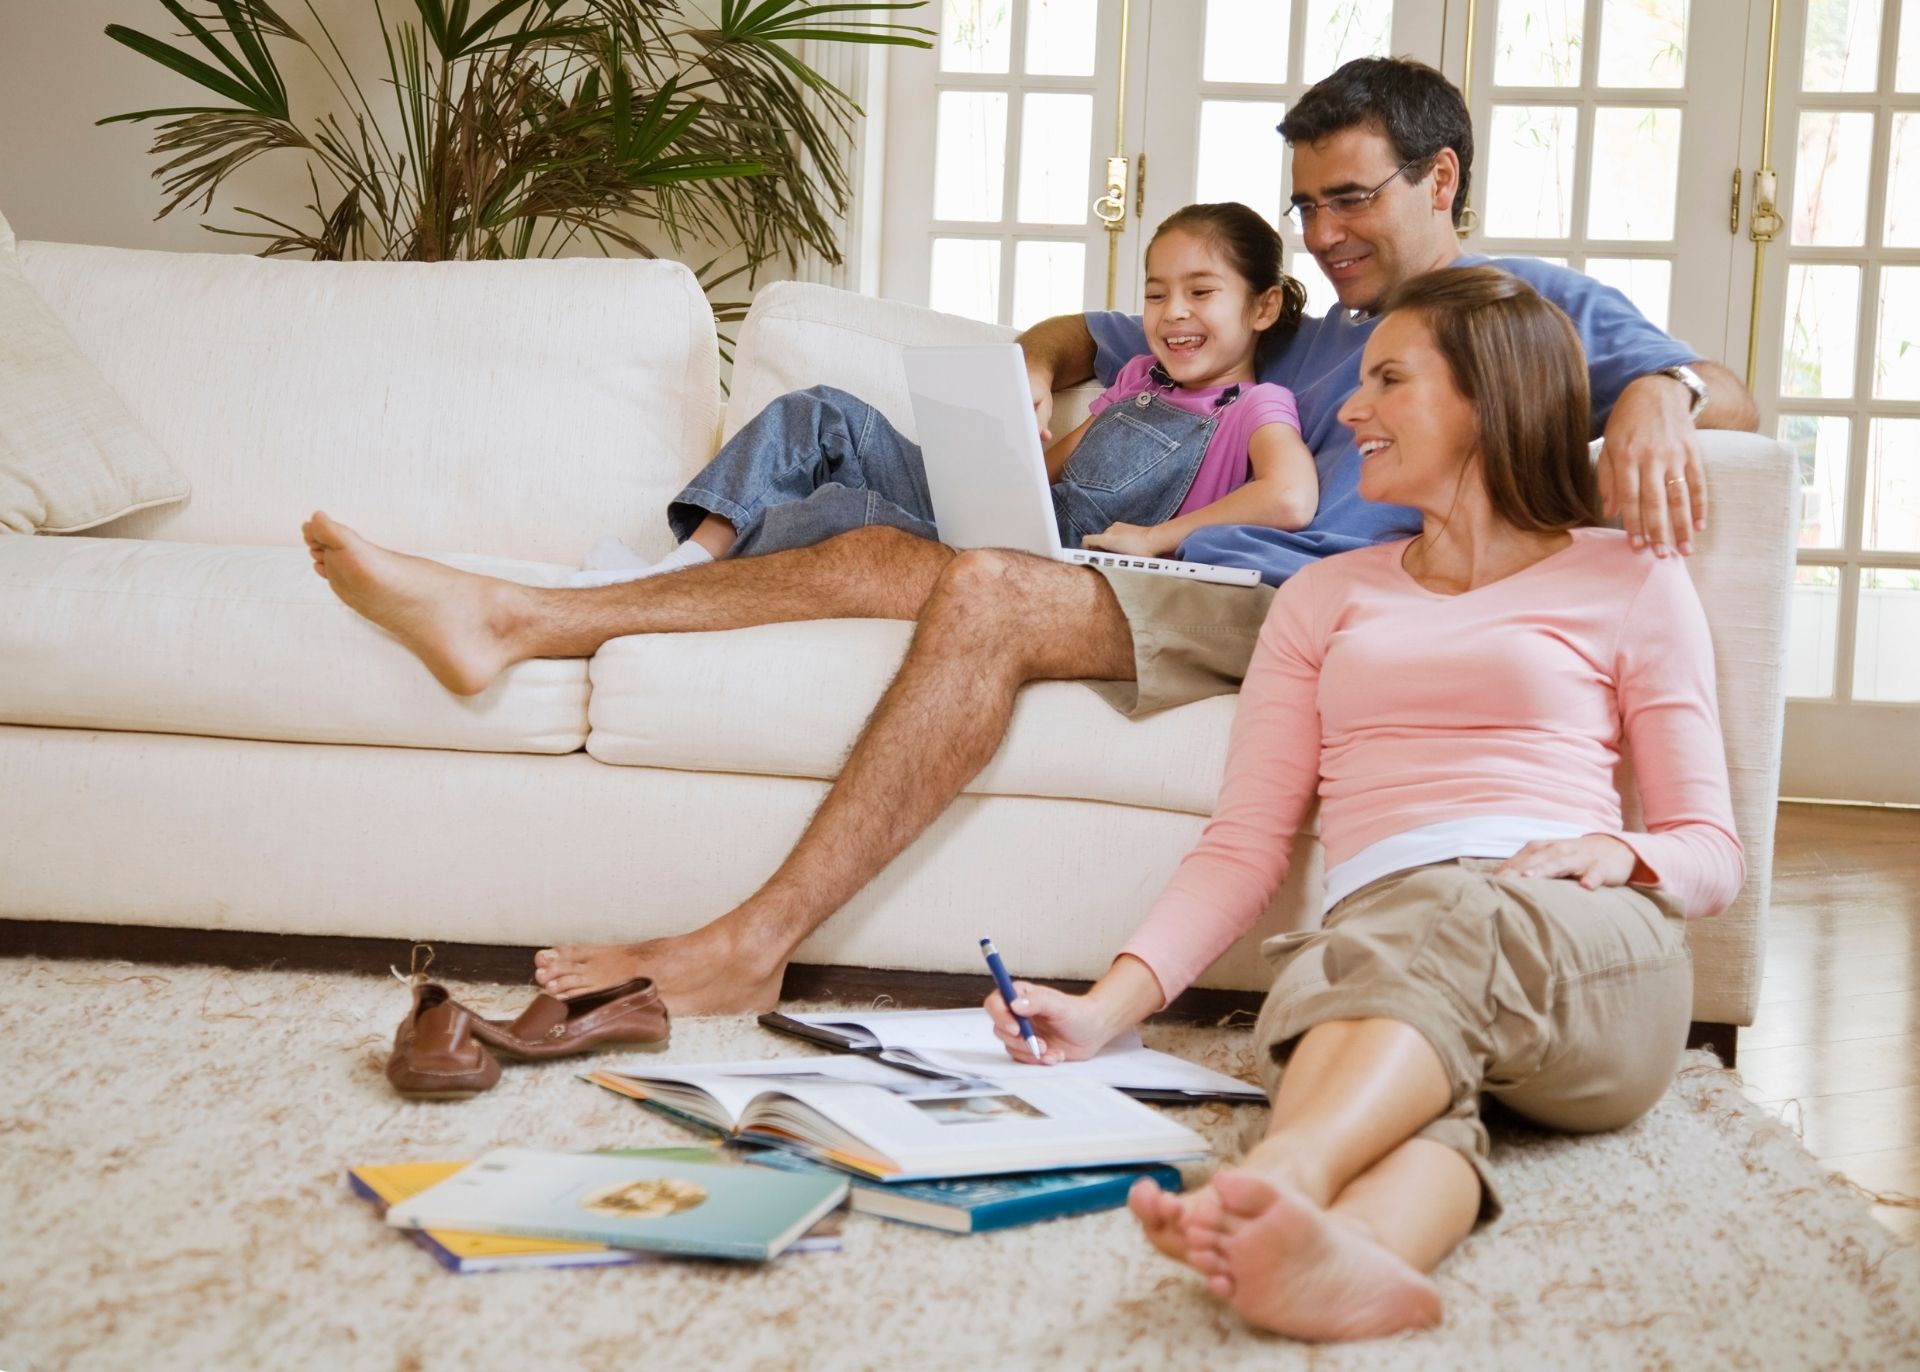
1742,567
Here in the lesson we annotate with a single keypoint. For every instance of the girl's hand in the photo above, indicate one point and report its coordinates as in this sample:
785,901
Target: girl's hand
1135,540
1070,1028
1595,860
1040,384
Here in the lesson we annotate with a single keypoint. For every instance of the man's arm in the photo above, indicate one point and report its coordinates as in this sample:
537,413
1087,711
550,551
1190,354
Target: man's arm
1729,404
1650,471
1059,353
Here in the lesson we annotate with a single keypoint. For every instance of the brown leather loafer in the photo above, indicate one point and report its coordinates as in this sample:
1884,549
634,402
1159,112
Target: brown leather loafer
435,1056
622,1016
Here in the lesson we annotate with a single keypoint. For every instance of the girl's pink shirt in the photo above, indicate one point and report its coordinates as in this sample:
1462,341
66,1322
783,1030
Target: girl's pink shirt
1401,707
1226,467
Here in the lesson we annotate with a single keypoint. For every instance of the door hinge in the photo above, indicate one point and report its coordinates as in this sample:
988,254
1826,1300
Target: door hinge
1140,188
1733,210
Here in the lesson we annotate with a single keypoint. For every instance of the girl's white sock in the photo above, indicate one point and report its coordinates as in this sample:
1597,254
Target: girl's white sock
600,568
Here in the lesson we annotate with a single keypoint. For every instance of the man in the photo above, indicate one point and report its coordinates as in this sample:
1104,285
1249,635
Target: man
1382,153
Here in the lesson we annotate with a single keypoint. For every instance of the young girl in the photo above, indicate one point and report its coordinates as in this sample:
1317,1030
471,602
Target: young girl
1185,437
1457,701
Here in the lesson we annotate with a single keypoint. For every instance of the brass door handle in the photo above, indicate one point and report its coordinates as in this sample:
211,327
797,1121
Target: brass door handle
1766,220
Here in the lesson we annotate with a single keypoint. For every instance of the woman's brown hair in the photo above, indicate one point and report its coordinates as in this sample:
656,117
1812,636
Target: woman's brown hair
1252,247
1517,359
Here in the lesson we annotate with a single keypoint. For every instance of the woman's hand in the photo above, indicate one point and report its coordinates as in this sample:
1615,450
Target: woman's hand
1070,1028
1135,540
1594,859
1073,1028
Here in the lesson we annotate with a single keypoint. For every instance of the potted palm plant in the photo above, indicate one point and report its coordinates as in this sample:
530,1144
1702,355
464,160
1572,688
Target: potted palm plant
516,130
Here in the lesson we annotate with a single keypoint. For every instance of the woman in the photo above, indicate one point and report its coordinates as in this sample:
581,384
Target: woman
1457,700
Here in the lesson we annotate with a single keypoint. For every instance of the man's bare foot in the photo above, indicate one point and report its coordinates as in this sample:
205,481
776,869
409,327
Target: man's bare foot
705,972
1164,1216
451,620
1292,1267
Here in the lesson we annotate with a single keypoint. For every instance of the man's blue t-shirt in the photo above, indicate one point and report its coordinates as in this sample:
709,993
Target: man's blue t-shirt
1320,364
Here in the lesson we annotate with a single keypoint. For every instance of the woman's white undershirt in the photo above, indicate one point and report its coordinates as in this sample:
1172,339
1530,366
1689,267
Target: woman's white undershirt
1481,836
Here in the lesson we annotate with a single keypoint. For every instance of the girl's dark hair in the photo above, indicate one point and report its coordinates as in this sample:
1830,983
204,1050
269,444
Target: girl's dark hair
1252,246
1517,359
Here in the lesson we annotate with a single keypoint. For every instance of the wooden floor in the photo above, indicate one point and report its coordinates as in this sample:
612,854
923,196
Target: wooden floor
1835,1046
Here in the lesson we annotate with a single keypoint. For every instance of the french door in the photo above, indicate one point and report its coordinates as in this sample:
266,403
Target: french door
995,155
1836,362
1607,136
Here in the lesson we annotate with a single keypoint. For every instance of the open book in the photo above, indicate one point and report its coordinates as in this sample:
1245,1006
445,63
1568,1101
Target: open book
962,1043
878,1121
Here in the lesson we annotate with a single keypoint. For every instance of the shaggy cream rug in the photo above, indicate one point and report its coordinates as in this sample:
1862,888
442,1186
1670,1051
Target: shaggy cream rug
172,1142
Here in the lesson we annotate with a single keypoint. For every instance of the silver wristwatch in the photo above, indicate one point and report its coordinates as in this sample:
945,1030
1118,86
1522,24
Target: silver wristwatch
1696,388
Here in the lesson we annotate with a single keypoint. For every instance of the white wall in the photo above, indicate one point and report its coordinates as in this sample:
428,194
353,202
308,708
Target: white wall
64,179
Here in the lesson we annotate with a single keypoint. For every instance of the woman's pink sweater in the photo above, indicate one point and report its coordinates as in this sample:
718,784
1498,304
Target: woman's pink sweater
1405,707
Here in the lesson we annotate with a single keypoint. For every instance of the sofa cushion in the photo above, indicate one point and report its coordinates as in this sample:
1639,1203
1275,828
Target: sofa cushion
517,408
71,456
107,633
788,700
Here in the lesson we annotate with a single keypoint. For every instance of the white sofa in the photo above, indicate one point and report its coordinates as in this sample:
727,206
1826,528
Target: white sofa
195,733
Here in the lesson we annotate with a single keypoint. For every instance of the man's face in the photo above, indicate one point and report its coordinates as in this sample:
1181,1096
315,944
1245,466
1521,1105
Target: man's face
1402,231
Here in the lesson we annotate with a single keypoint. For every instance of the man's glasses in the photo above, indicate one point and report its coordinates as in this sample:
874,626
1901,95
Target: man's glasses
1344,206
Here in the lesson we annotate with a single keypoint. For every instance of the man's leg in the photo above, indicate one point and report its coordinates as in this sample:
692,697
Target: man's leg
994,621
468,629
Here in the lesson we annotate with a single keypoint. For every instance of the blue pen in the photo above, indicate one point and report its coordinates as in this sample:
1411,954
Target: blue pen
1007,993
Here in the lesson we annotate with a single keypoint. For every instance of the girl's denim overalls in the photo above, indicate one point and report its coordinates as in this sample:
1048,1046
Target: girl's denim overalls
821,462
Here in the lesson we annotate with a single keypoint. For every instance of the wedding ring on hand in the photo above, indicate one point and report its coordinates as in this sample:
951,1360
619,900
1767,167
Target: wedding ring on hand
1676,481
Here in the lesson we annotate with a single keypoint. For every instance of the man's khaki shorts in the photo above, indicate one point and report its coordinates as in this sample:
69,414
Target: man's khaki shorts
1566,1005
1191,639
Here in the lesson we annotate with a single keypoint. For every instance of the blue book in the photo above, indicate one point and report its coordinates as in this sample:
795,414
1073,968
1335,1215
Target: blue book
975,1205
655,1204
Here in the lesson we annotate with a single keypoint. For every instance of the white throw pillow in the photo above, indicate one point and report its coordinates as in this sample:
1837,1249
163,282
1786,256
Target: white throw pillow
71,456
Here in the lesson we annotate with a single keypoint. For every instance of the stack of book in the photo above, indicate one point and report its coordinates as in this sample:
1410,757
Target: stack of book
925,1121
928,1139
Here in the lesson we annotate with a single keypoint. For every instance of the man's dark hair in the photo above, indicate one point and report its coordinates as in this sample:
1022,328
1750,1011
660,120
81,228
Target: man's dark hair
1417,108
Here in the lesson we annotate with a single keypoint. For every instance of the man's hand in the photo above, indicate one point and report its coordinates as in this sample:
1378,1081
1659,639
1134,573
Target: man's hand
1135,540
1594,860
1650,472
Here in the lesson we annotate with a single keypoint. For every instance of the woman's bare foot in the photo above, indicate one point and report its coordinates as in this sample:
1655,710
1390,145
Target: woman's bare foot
453,621
1164,1216
1292,1267
705,972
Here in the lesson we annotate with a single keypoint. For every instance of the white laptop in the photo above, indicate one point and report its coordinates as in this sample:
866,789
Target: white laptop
986,471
